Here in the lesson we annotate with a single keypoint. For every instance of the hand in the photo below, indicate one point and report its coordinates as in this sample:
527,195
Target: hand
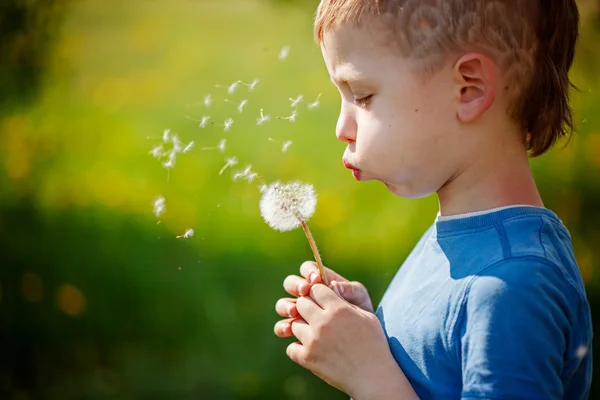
345,346
353,292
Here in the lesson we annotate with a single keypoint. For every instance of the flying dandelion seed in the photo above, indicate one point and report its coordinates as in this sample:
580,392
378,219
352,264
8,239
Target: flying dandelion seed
207,100
229,162
159,206
228,124
176,144
189,146
262,187
188,233
240,108
287,206
157,151
286,145
231,89
246,174
296,101
251,86
220,146
263,118
284,52
203,121
291,118
315,103
166,135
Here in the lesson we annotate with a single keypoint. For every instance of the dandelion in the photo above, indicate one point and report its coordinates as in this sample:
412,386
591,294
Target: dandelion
287,206
207,100
203,121
159,206
263,118
292,117
286,145
229,162
157,151
284,52
315,103
296,101
188,233
166,135
220,146
189,146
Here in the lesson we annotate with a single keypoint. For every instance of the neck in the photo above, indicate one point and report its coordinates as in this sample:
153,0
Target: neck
500,177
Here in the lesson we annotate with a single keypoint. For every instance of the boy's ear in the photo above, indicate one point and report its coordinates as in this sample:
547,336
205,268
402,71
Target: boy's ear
475,85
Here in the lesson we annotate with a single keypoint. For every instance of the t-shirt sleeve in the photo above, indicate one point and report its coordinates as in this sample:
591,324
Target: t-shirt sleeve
513,328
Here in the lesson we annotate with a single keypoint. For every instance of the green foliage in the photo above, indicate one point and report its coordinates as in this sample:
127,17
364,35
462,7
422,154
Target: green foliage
98,300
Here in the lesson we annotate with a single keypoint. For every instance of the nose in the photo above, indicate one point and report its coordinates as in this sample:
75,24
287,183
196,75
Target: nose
346,127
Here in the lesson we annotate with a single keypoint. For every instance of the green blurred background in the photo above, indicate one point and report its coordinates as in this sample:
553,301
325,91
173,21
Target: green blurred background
98,300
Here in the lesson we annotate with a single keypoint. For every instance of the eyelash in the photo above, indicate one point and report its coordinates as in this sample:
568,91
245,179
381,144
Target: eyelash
363,102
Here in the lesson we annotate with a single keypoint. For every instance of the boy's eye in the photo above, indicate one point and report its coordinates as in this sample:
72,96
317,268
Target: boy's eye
364,101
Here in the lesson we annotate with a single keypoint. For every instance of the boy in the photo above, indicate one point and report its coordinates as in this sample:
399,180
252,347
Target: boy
449,96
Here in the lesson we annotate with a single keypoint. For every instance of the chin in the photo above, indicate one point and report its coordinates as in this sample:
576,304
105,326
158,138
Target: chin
407,191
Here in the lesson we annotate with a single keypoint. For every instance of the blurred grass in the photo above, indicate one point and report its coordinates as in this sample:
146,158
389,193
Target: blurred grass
146,315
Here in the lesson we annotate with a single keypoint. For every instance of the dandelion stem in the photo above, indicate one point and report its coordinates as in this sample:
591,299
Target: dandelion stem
315,251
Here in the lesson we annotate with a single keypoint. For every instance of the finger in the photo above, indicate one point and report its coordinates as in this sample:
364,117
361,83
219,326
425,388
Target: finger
355,293
286,307
283,328
310,271
296,285
308,309
301,330
295,351
324,296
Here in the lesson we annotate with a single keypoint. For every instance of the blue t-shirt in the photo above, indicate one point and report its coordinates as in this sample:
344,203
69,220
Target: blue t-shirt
492,306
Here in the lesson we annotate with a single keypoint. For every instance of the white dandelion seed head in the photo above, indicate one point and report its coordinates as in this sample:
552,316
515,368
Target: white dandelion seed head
207,100
283,205
232,87
253,84
286,145
221,145
284,52
227,124
240,108
204,121
157,151
166,135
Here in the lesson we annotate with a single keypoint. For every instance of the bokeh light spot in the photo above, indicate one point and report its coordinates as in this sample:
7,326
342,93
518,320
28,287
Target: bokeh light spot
70,300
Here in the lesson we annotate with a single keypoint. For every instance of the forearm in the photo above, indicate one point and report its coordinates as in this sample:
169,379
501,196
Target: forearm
388,383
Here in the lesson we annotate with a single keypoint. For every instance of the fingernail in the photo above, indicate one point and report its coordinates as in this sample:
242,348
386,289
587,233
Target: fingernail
340,287
300,289
289,309
313,277
336,290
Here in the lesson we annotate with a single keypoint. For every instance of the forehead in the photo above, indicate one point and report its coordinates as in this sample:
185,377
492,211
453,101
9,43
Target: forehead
350,50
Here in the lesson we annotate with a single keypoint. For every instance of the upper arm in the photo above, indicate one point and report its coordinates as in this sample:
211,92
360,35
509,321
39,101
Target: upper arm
513,331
